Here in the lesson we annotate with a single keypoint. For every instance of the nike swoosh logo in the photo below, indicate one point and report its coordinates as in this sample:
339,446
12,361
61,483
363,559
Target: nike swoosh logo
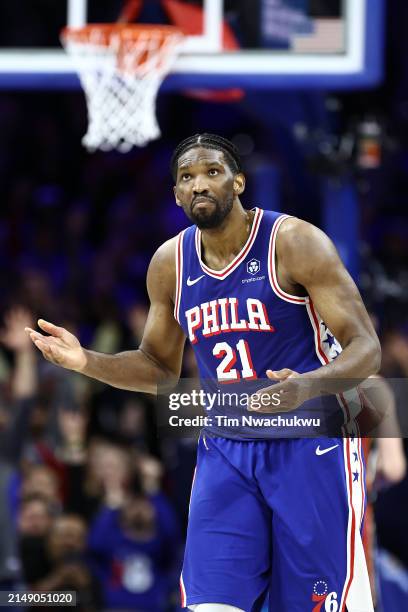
190,282
319,451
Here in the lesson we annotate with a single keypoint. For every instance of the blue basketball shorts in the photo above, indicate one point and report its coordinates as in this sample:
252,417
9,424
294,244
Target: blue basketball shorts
282,517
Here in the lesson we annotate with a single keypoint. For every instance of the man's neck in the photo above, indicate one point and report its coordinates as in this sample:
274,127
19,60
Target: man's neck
219,246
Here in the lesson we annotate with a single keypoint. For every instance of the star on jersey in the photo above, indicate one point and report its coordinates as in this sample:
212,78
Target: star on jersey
329,344
354,452
330,340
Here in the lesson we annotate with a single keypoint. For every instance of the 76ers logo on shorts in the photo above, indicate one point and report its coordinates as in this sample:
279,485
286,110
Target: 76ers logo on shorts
253,266
325,601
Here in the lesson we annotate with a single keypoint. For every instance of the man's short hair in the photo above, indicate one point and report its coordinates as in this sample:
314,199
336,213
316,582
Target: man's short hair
208,141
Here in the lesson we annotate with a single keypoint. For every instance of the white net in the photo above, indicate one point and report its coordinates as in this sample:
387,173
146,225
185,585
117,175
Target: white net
121,69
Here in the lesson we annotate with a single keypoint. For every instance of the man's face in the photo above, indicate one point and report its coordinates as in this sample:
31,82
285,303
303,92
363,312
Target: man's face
138,516
34,518
205,186
67,537
41,480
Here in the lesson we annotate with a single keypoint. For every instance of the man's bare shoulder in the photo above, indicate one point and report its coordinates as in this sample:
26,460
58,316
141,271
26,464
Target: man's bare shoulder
295,233
166,254
302,247
161,275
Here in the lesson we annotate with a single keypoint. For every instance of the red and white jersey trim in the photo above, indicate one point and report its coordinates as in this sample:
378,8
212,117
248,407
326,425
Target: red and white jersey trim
362,481
356,593
350,401
287,297
221,274
351,527
316,322
179,275
183,595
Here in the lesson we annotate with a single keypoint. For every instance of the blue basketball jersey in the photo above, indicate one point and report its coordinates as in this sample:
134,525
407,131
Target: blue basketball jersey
239,321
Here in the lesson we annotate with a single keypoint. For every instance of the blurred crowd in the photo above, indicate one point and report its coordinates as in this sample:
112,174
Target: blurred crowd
83,506
90,499
93,500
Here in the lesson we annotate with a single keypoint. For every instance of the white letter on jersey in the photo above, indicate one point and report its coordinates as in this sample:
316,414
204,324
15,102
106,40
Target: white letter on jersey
194,321
257,312
235,326
210,318
223,302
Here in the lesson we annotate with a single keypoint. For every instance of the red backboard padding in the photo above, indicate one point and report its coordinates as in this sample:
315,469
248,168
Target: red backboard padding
189,18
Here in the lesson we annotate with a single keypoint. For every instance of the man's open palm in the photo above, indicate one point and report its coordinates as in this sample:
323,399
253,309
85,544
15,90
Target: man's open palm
60,346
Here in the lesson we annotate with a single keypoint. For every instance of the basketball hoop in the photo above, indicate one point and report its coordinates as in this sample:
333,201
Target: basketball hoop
121,68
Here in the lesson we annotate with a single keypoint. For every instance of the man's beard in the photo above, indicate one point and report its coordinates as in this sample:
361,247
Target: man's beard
205,219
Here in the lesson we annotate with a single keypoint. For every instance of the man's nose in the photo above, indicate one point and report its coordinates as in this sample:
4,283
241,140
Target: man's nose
200,185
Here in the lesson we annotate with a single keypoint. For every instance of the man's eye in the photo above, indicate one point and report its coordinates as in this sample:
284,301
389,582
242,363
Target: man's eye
213,172
185,177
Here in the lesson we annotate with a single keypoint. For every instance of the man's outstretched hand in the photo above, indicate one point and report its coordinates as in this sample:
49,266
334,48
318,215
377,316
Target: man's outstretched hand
60,346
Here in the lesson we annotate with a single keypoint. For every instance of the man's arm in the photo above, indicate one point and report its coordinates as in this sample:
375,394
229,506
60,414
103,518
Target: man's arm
308,262
158,359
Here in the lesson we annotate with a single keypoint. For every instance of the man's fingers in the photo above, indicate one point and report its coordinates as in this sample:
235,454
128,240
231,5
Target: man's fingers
50,328
33,332
44,348
50,341
277,398
279,374
34,335
55,352
49,351
273,410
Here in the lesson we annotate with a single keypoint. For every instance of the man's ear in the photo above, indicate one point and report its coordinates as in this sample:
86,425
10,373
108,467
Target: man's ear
176,196
239,184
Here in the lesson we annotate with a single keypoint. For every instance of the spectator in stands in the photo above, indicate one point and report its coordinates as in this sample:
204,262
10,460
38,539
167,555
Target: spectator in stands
24,384
34,522
42,480
113,472
137,548
385,464
392,526
150,472
83,492
72,426
69,567
96,474
136,320
133,425
395,353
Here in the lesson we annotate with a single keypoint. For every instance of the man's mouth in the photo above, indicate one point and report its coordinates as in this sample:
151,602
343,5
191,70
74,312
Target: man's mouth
202,200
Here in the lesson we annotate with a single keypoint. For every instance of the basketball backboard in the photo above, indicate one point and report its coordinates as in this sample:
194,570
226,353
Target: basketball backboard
283,43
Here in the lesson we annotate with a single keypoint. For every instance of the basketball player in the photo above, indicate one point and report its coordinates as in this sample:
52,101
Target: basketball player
282,515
